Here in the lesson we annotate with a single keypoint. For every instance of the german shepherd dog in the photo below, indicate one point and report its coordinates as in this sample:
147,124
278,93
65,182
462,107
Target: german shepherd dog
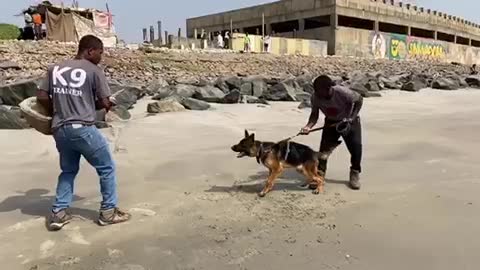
279,156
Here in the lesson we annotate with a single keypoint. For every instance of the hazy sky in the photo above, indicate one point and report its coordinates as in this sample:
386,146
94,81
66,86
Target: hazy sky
132,15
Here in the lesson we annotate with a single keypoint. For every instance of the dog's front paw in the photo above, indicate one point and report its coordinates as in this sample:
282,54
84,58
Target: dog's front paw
317,191
262,194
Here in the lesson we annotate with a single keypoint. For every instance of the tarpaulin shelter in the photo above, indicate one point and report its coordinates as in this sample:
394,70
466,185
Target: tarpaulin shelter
70,24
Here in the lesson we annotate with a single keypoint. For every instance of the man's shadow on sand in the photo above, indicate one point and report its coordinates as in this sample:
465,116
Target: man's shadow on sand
297,180
34,203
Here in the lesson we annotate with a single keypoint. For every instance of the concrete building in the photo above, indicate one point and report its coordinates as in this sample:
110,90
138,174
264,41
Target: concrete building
364,28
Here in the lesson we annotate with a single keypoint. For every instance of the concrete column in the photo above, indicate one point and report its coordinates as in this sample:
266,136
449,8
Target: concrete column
455,40
333,33
436,35
409,31
160,32
152,34
377,26
145,34
470,42
195,33
301,24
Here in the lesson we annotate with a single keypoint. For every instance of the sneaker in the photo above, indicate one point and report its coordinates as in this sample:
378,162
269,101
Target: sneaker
354,180
113,216
58,220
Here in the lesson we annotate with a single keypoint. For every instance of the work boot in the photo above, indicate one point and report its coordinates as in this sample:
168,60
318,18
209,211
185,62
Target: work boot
56,221
113,216
354,182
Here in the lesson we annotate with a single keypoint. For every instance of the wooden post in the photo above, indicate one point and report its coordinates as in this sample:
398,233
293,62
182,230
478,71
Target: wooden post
179,34
166,37
231,27
195,33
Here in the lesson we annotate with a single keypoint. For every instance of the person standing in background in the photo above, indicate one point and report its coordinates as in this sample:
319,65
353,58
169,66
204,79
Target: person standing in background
220,40
246,43
37,22
28,33
227,40
266,43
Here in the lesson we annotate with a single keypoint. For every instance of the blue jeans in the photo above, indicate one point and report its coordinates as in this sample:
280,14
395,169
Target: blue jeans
74,141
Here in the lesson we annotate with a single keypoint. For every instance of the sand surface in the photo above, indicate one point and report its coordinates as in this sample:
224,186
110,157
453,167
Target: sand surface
195,204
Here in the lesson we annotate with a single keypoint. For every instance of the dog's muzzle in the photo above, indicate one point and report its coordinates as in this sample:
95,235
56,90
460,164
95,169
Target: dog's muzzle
240,155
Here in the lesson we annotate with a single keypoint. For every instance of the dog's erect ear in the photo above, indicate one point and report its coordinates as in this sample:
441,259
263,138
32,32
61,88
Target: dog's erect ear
246,133
251,137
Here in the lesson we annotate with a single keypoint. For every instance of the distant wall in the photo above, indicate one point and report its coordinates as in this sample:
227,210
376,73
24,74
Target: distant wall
370,44
283,46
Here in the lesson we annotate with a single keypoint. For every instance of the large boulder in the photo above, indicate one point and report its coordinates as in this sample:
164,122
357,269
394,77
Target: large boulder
473,81
293,83
234,82
194,104
246,88
393,82
259,87
10,118
372,86
209,94
128,96
233,97
182,90
254,100
221,84
280,92
359,88
415,83
166,105
303,96
13,94
156,86
118,113
444,83
305,82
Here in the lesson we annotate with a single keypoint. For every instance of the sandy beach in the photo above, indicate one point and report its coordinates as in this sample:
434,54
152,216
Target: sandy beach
195,206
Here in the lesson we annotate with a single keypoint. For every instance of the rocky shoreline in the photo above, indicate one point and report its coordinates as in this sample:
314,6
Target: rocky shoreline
187,80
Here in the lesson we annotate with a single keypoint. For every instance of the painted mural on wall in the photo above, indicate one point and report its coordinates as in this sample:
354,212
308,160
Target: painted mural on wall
379,46
395,46
398,47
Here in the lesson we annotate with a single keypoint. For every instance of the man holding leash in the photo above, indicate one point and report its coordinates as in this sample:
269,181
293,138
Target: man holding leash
341,107
72,91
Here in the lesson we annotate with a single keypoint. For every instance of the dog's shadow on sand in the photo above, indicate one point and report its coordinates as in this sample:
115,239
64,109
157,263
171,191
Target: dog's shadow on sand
255,183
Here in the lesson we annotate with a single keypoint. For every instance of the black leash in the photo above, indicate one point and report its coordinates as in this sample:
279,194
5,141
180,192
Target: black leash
312,130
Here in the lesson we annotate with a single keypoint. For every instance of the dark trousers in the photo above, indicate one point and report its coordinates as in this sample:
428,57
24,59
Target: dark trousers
28,33
38,31
353,140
